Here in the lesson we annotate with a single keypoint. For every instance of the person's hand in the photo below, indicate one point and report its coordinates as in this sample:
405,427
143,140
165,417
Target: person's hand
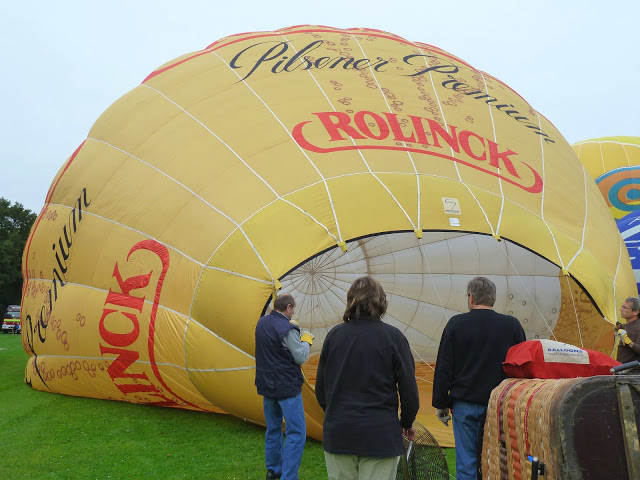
622,335
307,337
443,415
617,327
409,433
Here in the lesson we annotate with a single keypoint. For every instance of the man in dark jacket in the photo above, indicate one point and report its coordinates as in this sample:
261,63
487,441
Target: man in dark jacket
468,367
629,333
280,350
364,367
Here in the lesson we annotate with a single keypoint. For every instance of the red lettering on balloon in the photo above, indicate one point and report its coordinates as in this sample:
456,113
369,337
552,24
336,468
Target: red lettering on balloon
341,126
125,359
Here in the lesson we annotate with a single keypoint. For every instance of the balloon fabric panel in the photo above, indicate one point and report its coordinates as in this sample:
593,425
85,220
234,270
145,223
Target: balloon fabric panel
614,163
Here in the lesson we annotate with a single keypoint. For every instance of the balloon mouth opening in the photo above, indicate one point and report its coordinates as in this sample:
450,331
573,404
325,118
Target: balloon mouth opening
425,281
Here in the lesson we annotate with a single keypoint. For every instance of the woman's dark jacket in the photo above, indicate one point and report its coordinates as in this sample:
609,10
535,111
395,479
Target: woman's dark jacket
364,366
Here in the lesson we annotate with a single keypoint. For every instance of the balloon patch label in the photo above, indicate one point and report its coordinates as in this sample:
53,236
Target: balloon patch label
451,206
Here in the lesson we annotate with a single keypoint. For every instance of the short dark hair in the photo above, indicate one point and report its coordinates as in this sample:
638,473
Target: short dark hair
635,303
281,302
483,291
366,298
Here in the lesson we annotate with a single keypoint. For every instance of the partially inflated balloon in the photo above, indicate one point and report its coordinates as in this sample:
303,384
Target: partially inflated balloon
296,161
614,163
629,227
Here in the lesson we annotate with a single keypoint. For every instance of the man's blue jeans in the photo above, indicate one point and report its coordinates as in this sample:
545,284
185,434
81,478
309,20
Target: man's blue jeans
468,428
284,456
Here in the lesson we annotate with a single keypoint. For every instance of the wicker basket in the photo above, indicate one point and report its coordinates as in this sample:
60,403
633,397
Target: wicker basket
517,427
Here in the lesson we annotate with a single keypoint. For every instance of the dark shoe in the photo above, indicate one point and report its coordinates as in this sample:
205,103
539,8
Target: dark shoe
272,476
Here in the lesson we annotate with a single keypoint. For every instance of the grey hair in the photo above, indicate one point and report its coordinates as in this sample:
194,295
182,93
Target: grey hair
483,291
635,303
282,301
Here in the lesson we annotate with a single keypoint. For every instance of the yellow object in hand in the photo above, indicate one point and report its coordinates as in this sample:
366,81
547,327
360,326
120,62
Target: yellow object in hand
307,337
624,337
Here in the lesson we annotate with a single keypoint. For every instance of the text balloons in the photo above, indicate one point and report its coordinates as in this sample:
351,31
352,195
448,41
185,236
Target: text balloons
296,161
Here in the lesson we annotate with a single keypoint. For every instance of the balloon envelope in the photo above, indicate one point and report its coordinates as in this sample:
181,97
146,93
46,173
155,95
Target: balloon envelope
614,163
295,161
629,227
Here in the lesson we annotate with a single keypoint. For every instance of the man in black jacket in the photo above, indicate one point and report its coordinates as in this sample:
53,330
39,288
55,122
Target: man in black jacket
280,350
364,367
629,333
468,367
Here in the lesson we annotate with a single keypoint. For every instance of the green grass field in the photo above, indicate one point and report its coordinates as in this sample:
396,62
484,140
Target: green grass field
49,436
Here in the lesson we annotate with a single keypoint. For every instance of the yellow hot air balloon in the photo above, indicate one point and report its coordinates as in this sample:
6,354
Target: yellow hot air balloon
614,163
295,161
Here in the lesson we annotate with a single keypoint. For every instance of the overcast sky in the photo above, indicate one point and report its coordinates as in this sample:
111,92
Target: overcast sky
64,62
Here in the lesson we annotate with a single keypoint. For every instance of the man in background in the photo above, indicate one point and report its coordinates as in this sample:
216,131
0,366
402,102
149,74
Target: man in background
468,367
629,334
280,350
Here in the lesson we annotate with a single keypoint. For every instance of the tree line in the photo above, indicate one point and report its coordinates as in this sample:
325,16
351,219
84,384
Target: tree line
15,225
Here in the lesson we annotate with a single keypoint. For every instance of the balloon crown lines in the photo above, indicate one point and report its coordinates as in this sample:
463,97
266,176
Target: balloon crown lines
273,57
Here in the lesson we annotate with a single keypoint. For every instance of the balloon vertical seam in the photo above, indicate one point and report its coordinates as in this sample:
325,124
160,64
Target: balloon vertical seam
621,245
528,292
584,222
359,152
435,288
276,194
301,150
575,310
495,139
435,92
542,204
624,149
239,226
408,153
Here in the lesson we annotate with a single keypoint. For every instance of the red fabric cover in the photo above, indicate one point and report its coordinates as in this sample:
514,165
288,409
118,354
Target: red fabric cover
550,359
